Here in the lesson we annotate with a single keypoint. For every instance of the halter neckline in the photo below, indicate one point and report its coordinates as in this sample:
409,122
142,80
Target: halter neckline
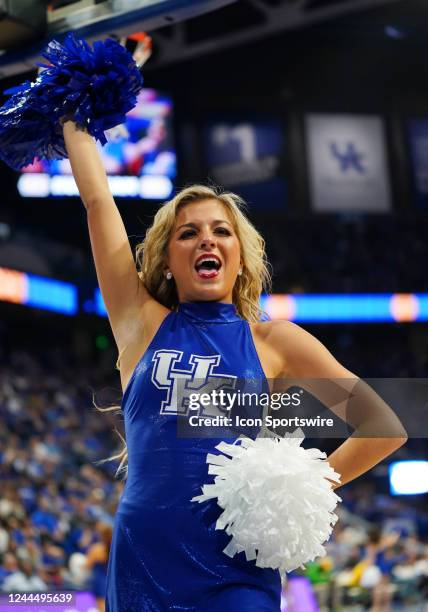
209,312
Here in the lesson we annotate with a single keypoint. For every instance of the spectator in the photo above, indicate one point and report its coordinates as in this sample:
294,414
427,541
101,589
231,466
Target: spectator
25,579
8,566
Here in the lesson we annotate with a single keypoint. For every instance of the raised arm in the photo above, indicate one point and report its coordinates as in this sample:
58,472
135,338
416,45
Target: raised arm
125,296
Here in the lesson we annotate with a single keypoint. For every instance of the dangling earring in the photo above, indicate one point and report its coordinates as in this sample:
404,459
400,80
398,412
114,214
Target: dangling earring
240,272
169,275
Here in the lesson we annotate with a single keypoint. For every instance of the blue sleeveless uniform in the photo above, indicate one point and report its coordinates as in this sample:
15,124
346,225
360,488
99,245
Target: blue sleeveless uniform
166,553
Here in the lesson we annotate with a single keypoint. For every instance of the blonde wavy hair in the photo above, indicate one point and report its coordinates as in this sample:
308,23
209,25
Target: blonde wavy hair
151,254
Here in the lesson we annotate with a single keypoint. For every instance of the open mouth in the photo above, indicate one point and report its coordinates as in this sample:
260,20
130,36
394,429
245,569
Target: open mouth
208,267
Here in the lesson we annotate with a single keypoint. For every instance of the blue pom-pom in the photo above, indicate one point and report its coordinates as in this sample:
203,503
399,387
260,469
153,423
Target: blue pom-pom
95,87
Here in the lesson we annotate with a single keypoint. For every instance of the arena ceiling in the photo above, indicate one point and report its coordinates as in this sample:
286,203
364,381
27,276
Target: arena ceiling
187,29
246,21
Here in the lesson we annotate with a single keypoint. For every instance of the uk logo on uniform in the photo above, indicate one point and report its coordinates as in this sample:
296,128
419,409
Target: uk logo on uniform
196,376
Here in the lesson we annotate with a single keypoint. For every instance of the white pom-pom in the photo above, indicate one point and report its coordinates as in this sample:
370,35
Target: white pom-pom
278,504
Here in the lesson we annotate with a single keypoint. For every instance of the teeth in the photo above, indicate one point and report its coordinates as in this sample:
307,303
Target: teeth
206,260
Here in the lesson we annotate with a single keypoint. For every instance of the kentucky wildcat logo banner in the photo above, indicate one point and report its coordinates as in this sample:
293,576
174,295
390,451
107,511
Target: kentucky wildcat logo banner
348,165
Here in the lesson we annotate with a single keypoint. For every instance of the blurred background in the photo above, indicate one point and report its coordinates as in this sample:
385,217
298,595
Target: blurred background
316,112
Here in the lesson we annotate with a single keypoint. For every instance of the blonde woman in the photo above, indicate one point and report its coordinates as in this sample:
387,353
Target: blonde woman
189,311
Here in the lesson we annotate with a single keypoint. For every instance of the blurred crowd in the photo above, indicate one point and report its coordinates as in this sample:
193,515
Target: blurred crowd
378,566
347,253
57,502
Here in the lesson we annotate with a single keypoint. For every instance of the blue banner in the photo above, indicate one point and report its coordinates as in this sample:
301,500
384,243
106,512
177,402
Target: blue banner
417,130
246,156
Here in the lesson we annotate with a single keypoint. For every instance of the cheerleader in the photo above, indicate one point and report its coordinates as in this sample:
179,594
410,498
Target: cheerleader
187,312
